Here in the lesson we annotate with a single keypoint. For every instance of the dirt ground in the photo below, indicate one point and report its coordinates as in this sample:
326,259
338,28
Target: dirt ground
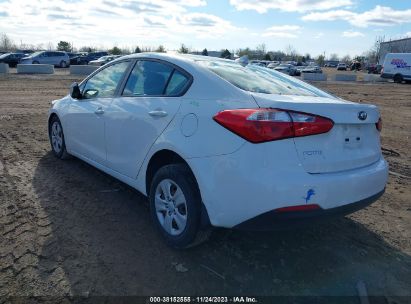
69,229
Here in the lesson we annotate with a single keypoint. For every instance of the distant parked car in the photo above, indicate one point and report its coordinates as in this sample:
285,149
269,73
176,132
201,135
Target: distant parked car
341,66
76,58
374,69
331,64
91,56
258,63
26,52
266,62
288,69
355,66
273,64
60,59
312,69
300,69
12,59
103,60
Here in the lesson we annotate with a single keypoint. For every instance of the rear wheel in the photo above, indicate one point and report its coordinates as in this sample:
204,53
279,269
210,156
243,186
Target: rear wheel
175,206
398,78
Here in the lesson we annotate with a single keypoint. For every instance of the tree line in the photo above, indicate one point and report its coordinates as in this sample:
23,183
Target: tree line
258,53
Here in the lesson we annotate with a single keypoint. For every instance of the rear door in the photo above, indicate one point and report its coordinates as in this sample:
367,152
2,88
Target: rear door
150,99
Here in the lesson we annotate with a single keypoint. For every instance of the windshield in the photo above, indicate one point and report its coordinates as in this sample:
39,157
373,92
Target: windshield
4,55
257,79
34,54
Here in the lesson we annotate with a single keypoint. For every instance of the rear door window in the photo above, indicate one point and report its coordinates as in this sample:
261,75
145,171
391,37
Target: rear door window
148,78
152,78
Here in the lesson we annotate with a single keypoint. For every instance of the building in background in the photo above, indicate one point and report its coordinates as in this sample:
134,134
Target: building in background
394,46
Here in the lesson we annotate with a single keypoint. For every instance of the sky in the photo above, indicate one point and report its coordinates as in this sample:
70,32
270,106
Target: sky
343,27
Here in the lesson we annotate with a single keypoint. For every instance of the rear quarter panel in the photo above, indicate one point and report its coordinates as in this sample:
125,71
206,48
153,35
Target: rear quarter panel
204,137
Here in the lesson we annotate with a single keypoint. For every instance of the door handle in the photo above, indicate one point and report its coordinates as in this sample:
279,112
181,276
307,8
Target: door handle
99,111
158,113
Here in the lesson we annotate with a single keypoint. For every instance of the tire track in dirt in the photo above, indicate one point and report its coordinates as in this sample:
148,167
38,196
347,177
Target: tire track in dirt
24,225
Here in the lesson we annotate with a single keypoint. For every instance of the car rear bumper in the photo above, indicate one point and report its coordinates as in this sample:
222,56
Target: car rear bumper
275,220
258,179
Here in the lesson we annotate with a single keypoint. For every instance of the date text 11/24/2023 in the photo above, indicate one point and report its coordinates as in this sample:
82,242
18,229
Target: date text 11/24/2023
203,299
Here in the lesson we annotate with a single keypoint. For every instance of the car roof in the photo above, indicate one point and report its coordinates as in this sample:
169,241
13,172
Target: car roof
185,61
175,57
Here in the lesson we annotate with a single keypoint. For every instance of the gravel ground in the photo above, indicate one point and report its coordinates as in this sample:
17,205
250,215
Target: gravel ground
68,229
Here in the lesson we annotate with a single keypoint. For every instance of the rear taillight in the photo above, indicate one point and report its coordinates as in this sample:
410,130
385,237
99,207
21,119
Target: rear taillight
261,125
379,124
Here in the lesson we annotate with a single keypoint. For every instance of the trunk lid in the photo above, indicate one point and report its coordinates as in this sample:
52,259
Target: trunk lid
351,143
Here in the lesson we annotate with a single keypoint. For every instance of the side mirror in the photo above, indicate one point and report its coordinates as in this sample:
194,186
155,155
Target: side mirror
75,91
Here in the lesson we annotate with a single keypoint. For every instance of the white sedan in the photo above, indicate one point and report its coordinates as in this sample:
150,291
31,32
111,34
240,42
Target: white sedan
215,143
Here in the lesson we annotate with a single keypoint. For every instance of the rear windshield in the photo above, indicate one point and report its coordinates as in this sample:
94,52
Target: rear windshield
257,79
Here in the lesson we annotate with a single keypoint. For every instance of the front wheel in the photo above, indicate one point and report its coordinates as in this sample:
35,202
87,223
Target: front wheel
57,142
63,64
175,206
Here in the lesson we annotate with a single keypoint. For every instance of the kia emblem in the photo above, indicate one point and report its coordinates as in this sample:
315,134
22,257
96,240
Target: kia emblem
362,115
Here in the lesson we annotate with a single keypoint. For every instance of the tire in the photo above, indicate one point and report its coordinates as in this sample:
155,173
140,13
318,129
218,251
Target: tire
56,136
35,62
398,78
63,64
184,206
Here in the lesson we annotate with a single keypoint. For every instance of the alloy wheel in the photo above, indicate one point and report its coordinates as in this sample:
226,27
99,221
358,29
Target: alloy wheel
171,207
56,137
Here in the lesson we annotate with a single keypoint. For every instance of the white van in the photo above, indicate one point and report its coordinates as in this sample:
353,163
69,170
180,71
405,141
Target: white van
397,66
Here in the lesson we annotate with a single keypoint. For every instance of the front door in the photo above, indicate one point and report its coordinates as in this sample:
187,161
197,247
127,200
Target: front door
86,118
